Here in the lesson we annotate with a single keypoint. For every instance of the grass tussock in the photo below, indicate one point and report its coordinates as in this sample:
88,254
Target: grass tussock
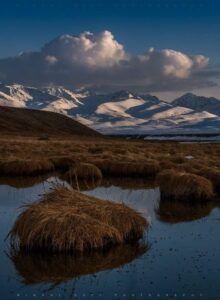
56,269
128,169
68,221
63,162
25,167
182,186
213,175
85,171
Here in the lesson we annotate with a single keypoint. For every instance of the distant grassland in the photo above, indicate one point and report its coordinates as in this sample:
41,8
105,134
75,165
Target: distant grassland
96,150
115,157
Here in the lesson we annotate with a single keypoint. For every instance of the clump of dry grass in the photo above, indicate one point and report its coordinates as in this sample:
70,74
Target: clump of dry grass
182,186
26,167
128,169
85,171
213,175
68,221
55,269
63,162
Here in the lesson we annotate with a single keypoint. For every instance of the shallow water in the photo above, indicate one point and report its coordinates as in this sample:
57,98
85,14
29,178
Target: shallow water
179,257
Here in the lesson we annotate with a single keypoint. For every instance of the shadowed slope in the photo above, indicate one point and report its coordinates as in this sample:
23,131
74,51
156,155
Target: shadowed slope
29,122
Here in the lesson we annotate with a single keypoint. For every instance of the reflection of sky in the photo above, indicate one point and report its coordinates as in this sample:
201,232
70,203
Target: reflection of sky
183,257
142,200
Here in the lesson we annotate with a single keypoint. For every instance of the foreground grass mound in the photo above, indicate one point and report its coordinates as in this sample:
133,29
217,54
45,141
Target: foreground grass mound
181,186
68,221
35,268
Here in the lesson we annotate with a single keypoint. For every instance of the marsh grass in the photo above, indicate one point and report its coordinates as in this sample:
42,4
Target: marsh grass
186,187
26,167
212,174
85,171
128,169
68,221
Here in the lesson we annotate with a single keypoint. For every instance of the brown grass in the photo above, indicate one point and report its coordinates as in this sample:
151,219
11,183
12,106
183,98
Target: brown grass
63,162
128,169
68,221
114,156
58,268
25,167
212,174
183,186
85,171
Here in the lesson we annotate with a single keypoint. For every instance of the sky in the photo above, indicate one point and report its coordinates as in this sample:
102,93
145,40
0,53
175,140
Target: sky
126,43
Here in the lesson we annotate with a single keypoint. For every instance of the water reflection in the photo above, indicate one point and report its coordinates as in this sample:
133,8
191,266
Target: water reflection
175,212
56,269
183,258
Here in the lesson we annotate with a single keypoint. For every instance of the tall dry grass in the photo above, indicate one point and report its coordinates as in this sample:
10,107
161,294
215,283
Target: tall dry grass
85,171
212,174
68,221
26,167
128,169
182,186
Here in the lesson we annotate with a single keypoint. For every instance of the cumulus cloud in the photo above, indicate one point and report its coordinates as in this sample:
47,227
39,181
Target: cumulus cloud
100,60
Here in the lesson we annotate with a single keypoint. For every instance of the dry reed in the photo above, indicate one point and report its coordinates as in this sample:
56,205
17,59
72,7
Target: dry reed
68,221
183,186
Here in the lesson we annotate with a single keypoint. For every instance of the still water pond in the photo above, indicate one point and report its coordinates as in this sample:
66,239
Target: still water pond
179,257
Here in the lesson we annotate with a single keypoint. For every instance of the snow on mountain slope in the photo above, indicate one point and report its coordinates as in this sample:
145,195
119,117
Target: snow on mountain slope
119,112
119,108
64,93
198,103
171,112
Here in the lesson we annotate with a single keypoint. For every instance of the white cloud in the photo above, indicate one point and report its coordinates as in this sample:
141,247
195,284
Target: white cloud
100,50
98,59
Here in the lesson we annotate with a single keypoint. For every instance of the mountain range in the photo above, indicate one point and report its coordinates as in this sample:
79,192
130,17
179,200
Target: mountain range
121,112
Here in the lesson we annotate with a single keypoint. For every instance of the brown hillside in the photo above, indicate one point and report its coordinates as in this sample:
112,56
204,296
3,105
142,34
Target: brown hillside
30,122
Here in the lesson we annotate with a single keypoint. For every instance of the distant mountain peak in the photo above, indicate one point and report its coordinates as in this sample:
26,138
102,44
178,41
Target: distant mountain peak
120,111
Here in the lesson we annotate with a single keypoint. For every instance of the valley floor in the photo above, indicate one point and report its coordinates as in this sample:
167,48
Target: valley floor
114,156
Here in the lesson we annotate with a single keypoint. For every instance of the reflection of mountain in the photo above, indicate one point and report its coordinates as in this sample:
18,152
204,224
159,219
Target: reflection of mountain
121,111
175,212
57,269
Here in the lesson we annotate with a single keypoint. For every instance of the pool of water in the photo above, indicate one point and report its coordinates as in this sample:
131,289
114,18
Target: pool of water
178,258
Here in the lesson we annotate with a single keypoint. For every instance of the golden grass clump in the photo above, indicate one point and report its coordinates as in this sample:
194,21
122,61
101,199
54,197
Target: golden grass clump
25,167
35,268
213,175
128,169
63,162
182,186
85,171
68,221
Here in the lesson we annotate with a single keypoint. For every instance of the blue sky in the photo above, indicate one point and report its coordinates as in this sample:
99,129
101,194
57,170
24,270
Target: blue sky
189,26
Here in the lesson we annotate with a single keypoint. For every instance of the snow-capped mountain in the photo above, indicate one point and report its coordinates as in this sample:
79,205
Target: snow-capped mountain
119,112
198,103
